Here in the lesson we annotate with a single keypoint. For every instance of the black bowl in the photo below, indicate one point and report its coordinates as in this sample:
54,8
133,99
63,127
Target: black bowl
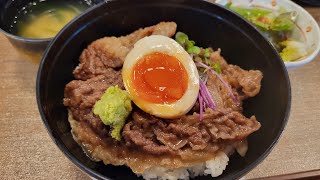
209,25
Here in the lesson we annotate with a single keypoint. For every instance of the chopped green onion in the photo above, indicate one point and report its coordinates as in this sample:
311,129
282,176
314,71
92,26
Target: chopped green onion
189,44
206,53
181,38
194,50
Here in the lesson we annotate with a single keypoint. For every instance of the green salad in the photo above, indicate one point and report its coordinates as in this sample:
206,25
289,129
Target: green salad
277,27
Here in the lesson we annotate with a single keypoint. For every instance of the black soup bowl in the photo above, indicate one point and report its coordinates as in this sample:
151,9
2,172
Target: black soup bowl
209,25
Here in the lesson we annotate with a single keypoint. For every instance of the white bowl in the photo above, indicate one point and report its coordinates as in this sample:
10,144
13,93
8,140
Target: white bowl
306,24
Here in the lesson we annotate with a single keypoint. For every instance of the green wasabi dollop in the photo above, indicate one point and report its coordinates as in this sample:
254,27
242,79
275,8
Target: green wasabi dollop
113,109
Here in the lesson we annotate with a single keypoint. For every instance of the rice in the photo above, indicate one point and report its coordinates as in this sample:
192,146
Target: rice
213,167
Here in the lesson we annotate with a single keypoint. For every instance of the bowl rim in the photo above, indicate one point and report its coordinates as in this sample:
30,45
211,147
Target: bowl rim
311,56
97,175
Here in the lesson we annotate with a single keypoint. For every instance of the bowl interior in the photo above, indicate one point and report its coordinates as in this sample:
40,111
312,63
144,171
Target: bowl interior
207,24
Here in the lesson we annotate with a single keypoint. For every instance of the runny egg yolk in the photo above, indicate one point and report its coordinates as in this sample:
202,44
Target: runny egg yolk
159,78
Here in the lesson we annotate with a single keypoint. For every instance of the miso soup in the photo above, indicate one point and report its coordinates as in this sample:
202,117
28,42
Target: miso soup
44,19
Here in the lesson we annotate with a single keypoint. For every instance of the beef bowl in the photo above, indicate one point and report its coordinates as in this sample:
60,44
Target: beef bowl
164,88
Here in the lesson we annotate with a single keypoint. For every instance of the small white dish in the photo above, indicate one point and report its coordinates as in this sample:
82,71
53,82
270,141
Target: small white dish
308,27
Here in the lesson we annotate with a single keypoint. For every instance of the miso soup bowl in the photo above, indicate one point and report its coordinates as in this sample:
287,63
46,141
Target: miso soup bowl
31,49
210,25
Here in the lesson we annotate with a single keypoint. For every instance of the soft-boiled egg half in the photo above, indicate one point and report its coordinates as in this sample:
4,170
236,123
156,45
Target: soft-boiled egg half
161,77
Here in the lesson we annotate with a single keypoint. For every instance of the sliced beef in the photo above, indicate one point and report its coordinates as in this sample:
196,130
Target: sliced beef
229,125
221,95
139,132
157,136
84,94
248,82
110,52
80,97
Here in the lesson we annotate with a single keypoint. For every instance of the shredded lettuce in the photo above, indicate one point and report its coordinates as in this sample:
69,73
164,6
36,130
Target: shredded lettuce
265,19
284,22
249,13
277,27
292,50
228,5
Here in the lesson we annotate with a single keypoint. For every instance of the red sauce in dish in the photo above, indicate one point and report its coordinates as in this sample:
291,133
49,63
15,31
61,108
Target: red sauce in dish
159,78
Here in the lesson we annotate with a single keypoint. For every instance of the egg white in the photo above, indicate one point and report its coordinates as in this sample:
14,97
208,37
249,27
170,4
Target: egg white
162,44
